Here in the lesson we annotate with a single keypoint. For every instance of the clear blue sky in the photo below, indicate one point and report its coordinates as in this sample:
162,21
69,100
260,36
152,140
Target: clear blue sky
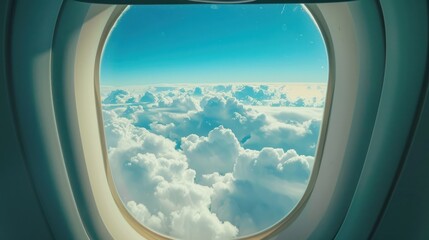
206,43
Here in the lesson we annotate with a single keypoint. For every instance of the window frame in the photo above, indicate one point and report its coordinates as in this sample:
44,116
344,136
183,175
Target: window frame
286,220
75,65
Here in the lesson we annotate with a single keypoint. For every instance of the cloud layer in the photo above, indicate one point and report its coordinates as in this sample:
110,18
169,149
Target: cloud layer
211,162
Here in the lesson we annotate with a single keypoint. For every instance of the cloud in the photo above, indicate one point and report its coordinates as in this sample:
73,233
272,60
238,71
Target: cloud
223,88
214,112
264,186
130,111
184,104
148,97
254,127
198,91
250,92
116,97
191,223
116,129
215,153
301,136
212,165
156,222
154,179
274,164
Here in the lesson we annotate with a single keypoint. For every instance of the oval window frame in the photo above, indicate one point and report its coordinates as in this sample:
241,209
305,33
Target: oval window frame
283,223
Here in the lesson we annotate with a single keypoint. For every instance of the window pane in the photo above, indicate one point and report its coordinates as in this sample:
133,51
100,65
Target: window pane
212,114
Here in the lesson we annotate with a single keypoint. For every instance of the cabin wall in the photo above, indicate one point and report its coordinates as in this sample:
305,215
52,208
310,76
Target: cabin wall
21,216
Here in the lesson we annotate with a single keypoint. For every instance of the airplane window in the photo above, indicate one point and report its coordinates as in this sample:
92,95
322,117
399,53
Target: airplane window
212,114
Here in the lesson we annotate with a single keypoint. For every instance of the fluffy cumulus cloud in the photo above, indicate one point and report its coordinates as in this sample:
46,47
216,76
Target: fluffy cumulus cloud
116,96
155,181
148,97
211,162
215,153
253,94
301,136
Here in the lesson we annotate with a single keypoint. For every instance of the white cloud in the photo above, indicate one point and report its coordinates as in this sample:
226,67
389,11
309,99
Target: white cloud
270,165
300,136
154,179
253,95
198,163
191,223
116,96
264,186
198,91
156,222
148,97
184,104
215,153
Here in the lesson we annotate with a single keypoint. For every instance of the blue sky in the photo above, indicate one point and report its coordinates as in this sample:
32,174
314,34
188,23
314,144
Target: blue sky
206,43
